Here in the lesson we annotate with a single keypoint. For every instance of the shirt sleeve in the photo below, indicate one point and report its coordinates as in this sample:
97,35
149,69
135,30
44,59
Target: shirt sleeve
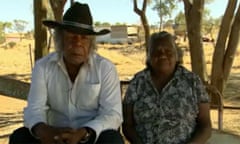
35,111
201,91
110,104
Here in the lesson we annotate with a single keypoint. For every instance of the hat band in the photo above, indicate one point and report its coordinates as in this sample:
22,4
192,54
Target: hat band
85,26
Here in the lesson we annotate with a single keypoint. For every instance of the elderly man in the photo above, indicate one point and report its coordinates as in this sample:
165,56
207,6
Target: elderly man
75,93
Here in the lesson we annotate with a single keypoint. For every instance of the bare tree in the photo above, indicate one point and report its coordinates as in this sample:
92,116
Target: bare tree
164,9
226,46
58,7
142,14
193,14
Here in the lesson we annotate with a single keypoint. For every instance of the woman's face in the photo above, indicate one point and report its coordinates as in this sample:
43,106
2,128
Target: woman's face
76,48
163,58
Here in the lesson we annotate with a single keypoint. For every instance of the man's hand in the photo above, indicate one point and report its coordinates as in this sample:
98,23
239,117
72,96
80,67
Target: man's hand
74,137
49,134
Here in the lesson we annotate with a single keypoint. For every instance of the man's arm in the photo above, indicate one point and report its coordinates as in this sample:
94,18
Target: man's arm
110,104
35,112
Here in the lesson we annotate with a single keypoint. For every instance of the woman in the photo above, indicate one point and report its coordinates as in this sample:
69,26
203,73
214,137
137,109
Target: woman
165,103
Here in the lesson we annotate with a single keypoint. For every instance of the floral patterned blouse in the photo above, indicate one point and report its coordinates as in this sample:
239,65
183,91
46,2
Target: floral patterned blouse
167,116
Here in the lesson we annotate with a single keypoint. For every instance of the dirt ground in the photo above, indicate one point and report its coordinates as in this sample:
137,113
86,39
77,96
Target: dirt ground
15,63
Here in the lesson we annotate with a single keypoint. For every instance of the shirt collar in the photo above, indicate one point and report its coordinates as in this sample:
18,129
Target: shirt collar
90,66
178,72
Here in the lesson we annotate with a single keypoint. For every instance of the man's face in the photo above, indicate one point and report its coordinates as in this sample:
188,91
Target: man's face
76,48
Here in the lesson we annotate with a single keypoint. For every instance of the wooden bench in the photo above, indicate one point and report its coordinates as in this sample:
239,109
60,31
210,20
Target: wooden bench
216,103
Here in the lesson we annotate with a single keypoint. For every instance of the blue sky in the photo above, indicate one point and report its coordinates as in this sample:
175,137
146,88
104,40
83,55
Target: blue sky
111,11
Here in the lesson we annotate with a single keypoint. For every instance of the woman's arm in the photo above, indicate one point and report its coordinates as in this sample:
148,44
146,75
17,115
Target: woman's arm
203,129
128,125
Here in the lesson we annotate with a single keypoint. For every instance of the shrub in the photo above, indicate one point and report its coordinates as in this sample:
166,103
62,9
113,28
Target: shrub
11,44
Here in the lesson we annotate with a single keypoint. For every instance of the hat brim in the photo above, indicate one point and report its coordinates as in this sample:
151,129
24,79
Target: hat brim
74,29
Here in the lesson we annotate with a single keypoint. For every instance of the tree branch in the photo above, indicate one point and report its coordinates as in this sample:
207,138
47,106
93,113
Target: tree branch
57,7
232,45
135,8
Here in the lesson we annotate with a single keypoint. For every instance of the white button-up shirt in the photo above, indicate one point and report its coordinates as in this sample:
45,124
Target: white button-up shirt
93,100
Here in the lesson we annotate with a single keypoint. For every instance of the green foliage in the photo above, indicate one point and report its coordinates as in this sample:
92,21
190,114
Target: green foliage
118,23
19,25
98,23
180,18
165,7
106,24
3,27
208,23
2,39
180,24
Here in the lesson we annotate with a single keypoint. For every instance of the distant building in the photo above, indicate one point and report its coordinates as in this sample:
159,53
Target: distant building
119,34
13,37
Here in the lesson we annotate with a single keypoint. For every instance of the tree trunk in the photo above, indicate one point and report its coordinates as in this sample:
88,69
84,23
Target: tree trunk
193,14
144,20
161,18
232,46
40,31
217,75
71,2
57,7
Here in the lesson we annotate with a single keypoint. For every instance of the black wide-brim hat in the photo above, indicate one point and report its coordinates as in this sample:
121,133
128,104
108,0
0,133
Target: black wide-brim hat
77,19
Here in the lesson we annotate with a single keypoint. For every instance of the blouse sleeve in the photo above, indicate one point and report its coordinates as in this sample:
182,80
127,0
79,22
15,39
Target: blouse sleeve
131,93
201,92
